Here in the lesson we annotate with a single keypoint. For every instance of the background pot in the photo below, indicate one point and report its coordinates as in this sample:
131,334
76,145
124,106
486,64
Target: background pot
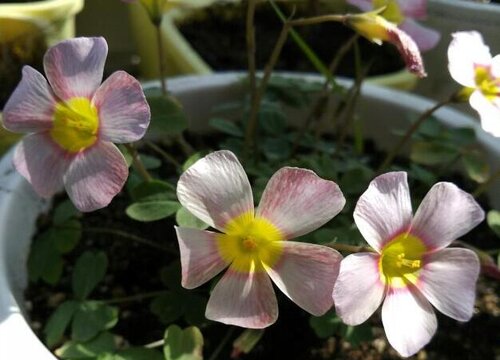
382,108
183,59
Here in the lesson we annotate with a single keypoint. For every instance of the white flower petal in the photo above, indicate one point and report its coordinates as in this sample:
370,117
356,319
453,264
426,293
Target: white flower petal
384,209
448,281
306,274
216,189
243,299
358,291
200,257
489,112
467,50
445,214
409,320
298,201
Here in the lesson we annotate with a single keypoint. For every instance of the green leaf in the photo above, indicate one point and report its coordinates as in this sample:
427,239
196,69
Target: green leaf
184,344
185,219
150,162
226,127
65,211
276,148
355,180
493,220
168,307
326,325
192,159
152,210
324,235
91,318
59,321
476,166
45,261
129,159
430,153
134,353
247,340
272,119
155,189
355,335
89,270
104,342
167,115
66,235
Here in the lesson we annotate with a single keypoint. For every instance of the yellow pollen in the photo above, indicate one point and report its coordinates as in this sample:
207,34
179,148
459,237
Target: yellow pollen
401,260
75,124
486,83
250,244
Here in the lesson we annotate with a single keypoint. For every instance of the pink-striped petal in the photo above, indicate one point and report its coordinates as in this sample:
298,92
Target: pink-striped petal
243,299
425,38
415,9
448,281
358,291
298,201
42,163
384,209
31,105
408,50
409,320
200,257
466,51
74,67
306,274
123,110
445,214
489,112
95,176
216,189
363,5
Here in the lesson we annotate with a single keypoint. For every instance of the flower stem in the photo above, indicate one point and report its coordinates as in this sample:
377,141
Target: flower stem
484,186
166,156
137,297
138,165
349,248
218,349
129,236
161,59
411,130
155,344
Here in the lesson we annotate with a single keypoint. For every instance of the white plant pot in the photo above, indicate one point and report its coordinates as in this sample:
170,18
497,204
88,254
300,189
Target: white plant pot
447,17
382,108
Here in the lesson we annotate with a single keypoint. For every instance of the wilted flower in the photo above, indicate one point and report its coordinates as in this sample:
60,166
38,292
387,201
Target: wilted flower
74,122
377,29
471,65
412,268
253,243
402,13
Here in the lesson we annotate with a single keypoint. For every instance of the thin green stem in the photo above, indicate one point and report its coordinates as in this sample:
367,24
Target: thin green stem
255,105
137,297
161,59
411,130
484,186
165,155
218,349
349,248
138,165
129,236
318,20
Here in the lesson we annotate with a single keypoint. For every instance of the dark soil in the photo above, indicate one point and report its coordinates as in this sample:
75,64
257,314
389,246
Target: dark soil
223,46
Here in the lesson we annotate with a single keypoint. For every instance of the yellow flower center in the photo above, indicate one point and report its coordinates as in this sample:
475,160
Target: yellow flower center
76,123
392,11
486,83
401,260
250,244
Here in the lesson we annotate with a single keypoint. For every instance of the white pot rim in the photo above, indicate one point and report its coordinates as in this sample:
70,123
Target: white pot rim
19,206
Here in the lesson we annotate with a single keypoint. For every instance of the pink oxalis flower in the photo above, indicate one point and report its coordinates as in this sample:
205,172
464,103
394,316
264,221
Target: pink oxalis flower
403,13
252,242
73,121
471,65
412,268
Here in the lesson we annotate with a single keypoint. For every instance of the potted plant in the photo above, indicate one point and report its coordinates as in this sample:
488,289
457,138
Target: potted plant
109,271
